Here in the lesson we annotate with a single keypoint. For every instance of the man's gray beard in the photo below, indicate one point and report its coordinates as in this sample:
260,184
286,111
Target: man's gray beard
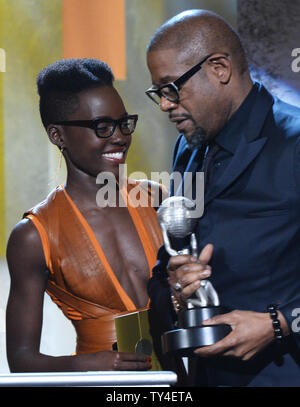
196,139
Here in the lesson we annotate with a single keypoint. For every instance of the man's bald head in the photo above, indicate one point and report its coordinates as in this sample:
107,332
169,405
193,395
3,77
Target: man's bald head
197,33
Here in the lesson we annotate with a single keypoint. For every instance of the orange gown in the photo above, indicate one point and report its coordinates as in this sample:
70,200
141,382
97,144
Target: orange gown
81,281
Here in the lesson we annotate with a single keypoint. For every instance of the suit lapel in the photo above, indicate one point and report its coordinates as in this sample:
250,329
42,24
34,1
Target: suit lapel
245,154
190,168
249,147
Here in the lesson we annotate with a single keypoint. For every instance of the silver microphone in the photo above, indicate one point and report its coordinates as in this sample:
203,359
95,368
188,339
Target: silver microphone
177,220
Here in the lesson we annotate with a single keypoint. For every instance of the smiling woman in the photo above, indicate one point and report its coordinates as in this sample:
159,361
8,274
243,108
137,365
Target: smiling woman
99,126
93,261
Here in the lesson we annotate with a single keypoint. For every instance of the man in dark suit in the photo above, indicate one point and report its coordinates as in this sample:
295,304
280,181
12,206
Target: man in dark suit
249,234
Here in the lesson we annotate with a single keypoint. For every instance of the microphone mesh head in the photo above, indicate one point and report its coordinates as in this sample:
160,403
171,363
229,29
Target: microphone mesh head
176,213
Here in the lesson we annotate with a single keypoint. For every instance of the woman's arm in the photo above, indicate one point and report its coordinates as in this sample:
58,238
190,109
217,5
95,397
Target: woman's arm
28,273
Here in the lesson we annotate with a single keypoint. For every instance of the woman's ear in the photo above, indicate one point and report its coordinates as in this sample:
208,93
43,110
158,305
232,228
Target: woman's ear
55,135
221,68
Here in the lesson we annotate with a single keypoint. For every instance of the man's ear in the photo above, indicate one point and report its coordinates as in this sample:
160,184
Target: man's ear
55,135
220,66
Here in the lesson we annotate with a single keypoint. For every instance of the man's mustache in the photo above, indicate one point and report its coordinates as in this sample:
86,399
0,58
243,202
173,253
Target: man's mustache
180,116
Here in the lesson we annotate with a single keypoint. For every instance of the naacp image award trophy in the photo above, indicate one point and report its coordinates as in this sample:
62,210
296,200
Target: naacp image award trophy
177,218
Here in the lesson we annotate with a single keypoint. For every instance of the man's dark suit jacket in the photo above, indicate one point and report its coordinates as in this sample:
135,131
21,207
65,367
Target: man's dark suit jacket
252,217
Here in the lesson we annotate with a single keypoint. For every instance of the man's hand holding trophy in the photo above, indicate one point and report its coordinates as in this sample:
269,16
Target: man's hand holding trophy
178,220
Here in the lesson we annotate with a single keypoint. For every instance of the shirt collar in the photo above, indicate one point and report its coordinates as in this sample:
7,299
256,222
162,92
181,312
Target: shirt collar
229,137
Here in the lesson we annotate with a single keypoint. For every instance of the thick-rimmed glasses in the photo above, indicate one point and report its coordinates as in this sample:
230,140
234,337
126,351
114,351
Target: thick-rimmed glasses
170,91
104,127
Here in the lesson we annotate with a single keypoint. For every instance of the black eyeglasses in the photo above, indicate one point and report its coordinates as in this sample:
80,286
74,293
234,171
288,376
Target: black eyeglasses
104,127
171,90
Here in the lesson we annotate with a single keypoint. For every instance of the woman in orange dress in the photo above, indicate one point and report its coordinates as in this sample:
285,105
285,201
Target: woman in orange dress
93,260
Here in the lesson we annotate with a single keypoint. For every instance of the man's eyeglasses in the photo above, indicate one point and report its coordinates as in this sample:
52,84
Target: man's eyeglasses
104,127
170,91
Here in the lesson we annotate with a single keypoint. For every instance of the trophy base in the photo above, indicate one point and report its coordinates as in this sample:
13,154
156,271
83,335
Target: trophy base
191,334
